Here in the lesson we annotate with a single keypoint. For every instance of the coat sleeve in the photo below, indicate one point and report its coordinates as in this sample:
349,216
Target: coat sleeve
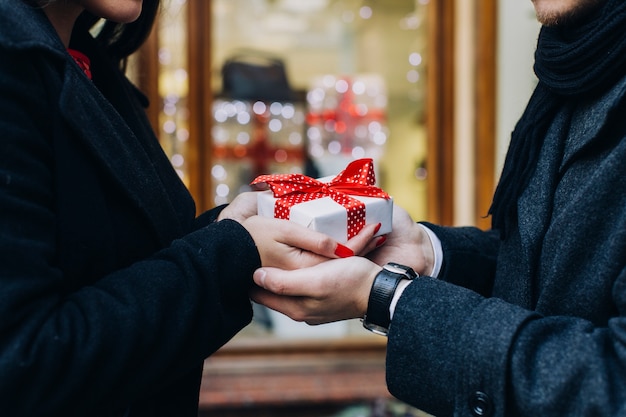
469,256
95,350
453,351
209,216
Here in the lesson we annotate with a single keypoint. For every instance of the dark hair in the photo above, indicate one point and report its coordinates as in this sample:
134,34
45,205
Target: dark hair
122,39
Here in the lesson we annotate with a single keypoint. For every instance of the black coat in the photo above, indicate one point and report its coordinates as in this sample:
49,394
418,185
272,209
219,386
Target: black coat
534,325
112,293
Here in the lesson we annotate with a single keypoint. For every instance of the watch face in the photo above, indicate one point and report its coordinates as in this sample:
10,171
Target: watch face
401,269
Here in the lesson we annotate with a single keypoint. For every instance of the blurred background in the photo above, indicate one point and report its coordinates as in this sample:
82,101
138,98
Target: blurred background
429,89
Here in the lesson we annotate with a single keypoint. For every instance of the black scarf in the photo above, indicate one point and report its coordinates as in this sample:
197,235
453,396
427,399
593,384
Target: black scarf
571,62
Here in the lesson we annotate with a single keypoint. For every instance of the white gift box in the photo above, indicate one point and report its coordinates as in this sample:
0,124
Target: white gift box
329,217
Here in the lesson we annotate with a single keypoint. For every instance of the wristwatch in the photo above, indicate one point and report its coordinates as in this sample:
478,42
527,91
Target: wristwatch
377,318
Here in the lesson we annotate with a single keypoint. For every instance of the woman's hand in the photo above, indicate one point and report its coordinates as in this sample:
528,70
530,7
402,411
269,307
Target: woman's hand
288,245
242,207
330,291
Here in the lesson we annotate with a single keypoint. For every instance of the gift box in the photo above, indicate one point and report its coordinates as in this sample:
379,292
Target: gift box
339,207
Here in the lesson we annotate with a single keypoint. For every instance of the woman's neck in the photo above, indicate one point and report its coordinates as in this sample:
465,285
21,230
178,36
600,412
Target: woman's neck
63,15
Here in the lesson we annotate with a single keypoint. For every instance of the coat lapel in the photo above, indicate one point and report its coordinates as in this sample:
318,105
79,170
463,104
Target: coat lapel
535,205
118,150
589,120
134,162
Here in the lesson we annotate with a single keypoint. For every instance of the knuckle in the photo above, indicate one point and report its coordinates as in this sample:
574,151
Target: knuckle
277,287
325,244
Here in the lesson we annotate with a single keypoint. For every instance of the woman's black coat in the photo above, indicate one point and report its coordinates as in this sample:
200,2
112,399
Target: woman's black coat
112,293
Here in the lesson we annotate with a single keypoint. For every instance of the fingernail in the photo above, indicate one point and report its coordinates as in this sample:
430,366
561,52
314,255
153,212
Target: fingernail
343,251
377,228
381,240
259,277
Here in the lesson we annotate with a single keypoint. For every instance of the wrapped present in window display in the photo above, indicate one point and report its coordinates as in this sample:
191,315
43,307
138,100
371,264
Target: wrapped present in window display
252,138
346,120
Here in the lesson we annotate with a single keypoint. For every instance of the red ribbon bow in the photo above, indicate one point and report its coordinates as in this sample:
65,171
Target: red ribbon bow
357,179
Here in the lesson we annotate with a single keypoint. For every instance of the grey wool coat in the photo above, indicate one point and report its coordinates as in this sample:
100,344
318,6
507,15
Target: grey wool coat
534,325
112,292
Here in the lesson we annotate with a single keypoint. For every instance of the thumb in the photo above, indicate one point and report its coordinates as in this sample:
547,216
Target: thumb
296,282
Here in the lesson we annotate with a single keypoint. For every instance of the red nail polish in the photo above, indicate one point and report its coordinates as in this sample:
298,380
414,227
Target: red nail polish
377,228
343,251
381,240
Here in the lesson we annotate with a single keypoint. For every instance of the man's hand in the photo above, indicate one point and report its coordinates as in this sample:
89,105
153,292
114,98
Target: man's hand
407,244
330,291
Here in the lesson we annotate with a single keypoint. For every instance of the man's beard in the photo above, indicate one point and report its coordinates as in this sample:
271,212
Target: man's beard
570,16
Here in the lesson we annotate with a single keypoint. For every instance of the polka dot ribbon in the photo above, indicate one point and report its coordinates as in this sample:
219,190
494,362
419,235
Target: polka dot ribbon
357,179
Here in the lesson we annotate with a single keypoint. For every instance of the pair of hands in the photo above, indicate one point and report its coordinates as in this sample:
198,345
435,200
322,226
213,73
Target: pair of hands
302,274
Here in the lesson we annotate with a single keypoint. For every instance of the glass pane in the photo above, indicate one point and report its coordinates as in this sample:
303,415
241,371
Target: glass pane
356,68
173,84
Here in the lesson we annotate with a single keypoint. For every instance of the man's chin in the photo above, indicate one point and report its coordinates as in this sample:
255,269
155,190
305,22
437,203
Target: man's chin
571,14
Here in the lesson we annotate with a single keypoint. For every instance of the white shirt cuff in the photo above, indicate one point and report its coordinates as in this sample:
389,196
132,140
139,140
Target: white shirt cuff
437,261
437,250
396,296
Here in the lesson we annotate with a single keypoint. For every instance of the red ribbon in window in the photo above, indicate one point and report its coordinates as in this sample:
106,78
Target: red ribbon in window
357,179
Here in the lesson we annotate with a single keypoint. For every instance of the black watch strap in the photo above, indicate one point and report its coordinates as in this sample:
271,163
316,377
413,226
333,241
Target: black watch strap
383,289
